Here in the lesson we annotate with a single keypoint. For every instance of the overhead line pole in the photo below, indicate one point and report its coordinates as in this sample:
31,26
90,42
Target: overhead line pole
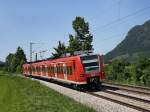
31,43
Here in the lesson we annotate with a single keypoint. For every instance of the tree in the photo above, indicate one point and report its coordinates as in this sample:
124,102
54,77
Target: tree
59,50
15,61
9,61
19,59
141,63
82,39
146,76
74,44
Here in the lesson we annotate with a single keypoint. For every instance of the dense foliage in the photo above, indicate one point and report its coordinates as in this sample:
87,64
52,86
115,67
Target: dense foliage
136,42
137,72
15,61
82,34
2,65
59,50
81,41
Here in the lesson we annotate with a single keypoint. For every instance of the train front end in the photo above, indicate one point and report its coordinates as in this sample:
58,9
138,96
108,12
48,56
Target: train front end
93,69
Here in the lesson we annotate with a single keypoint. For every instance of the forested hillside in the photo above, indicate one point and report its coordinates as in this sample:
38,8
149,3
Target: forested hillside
136,42
1,62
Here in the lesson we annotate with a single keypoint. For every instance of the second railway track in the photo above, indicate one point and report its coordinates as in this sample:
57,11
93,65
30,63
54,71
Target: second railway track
138,90
140,105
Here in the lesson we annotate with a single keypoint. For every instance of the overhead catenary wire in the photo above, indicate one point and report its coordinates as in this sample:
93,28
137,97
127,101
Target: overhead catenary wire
106,10
123,18
120,20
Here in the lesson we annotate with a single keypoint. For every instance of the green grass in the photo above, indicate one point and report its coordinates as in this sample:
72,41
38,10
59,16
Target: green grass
23,95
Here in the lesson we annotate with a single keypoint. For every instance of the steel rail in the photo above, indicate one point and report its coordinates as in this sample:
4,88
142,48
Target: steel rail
126,89
119,102
127,96
131,86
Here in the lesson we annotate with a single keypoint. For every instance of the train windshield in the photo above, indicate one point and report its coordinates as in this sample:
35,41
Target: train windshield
90,63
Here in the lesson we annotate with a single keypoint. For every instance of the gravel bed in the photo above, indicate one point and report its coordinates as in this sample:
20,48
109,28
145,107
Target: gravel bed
100,105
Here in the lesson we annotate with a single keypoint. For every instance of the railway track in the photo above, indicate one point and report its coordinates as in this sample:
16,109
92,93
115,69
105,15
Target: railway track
124,99
131,105
135,89
128,96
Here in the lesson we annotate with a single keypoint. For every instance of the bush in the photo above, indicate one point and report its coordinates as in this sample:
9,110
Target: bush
121,70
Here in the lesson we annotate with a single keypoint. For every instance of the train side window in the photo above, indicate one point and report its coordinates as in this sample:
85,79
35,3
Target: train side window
45,70
70,70
38,69
52,70
55,69
41,68
49,69
34,69
61,70
67,70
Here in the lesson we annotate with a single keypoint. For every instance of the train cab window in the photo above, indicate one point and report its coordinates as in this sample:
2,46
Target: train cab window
90,63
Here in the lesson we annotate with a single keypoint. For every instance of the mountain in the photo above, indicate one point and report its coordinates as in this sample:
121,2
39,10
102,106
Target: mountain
1,62
136,42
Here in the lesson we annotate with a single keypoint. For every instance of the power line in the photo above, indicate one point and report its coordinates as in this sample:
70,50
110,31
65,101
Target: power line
123,18
112,37
106,10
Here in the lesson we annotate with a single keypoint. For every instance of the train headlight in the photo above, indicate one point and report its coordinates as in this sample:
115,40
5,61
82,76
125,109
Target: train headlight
81,75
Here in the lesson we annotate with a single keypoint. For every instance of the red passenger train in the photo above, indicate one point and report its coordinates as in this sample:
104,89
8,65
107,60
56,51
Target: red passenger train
85,69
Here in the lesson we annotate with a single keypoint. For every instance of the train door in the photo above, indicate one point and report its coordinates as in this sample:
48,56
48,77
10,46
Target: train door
65,70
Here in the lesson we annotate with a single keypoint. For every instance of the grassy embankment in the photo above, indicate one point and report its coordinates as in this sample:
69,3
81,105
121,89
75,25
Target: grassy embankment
23,95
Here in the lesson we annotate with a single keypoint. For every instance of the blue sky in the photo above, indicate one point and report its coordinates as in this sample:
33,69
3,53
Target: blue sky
48,21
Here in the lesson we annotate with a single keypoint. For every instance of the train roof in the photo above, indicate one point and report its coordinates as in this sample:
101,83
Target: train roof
67,57
50,59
